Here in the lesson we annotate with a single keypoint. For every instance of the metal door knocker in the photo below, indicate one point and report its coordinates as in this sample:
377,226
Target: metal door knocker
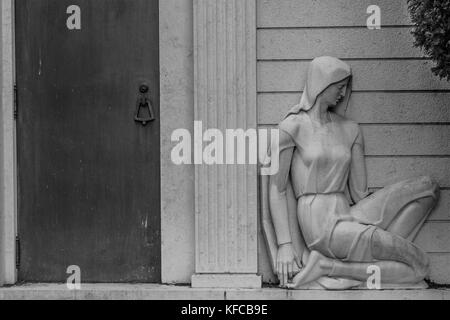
144,103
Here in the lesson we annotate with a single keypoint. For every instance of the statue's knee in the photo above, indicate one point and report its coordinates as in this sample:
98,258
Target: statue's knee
428,184
436,189
431,185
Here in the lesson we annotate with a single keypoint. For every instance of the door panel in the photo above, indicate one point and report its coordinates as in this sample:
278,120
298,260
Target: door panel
89,174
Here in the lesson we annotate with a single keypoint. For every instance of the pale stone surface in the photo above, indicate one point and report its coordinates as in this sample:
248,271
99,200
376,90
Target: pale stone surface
2,263
383,171
434,237
225,98
370,75
353,43
442,212
278,294
439,265
250,281
177,111
368,107
109,292
410,140
161,292
7,151
331,13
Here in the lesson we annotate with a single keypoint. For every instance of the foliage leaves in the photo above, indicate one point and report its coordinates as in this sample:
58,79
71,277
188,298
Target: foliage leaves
432,32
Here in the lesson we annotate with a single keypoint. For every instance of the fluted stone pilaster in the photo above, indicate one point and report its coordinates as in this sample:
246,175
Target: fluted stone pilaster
225,98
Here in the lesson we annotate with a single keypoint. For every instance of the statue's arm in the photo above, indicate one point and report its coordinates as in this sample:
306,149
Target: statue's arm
286,255
278,198
357,183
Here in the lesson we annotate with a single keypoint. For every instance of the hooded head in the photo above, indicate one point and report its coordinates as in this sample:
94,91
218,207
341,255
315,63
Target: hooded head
322,73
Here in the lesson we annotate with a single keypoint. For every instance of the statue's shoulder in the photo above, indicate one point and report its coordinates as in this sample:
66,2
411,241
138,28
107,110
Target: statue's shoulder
292,123
289,131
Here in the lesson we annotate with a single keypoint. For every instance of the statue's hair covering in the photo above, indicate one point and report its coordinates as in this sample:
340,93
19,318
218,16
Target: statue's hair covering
323,72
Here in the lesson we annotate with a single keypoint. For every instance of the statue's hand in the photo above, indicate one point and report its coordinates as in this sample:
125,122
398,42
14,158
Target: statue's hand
285,263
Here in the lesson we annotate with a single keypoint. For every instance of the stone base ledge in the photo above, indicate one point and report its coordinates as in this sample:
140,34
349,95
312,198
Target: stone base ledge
166,292
245,281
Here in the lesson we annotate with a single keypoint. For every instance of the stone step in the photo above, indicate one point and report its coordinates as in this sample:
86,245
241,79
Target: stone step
165,292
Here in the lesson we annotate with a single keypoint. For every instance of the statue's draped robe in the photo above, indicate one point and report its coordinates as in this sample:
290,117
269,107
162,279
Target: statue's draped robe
327,170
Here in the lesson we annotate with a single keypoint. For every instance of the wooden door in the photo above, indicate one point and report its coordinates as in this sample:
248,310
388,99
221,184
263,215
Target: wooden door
89,174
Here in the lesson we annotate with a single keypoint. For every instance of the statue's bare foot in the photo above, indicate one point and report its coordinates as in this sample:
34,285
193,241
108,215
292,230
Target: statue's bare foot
338,283
317,266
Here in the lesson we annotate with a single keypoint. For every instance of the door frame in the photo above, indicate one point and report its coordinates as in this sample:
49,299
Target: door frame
8,151
8,159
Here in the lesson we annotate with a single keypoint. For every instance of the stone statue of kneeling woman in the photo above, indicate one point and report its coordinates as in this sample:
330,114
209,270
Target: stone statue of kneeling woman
319,219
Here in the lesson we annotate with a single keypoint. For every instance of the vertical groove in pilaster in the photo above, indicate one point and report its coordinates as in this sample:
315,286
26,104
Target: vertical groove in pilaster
207,125
231,125
235,125
198,245
239,106
215,108
225,98
221,36
252,178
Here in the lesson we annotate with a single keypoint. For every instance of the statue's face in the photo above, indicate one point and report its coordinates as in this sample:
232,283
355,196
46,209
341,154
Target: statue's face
335,93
